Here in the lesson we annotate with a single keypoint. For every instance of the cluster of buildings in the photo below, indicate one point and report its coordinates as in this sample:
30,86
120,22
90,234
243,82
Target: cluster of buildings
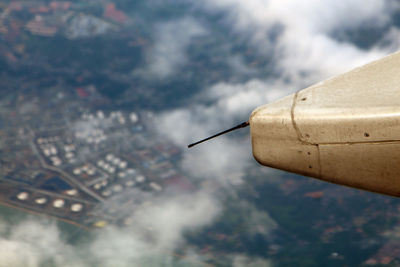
54,151
388,254
61,17
78,161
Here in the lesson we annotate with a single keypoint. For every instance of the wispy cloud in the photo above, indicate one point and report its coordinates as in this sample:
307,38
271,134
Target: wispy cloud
156,232
305,44
168,54
224,105
36,243
246,261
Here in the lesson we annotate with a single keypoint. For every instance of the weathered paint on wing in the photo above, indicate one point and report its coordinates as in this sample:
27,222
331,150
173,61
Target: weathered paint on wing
345,130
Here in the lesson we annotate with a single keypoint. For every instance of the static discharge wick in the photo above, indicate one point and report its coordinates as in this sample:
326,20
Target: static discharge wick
242,125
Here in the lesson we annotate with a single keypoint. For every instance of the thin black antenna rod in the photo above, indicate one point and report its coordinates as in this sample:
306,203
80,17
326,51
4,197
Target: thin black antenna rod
242,125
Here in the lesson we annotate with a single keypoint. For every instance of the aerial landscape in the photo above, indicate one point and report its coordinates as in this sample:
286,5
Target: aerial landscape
99,100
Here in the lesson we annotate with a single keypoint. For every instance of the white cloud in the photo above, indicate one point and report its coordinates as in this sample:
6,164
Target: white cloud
258,221
391,39
168,53
305,45
157,230
226,105
35,243
238,100
246,261
224,159
17,253
169,218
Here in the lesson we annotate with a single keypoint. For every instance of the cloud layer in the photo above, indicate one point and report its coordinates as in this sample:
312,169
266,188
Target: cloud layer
305,43
168,54
157,230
